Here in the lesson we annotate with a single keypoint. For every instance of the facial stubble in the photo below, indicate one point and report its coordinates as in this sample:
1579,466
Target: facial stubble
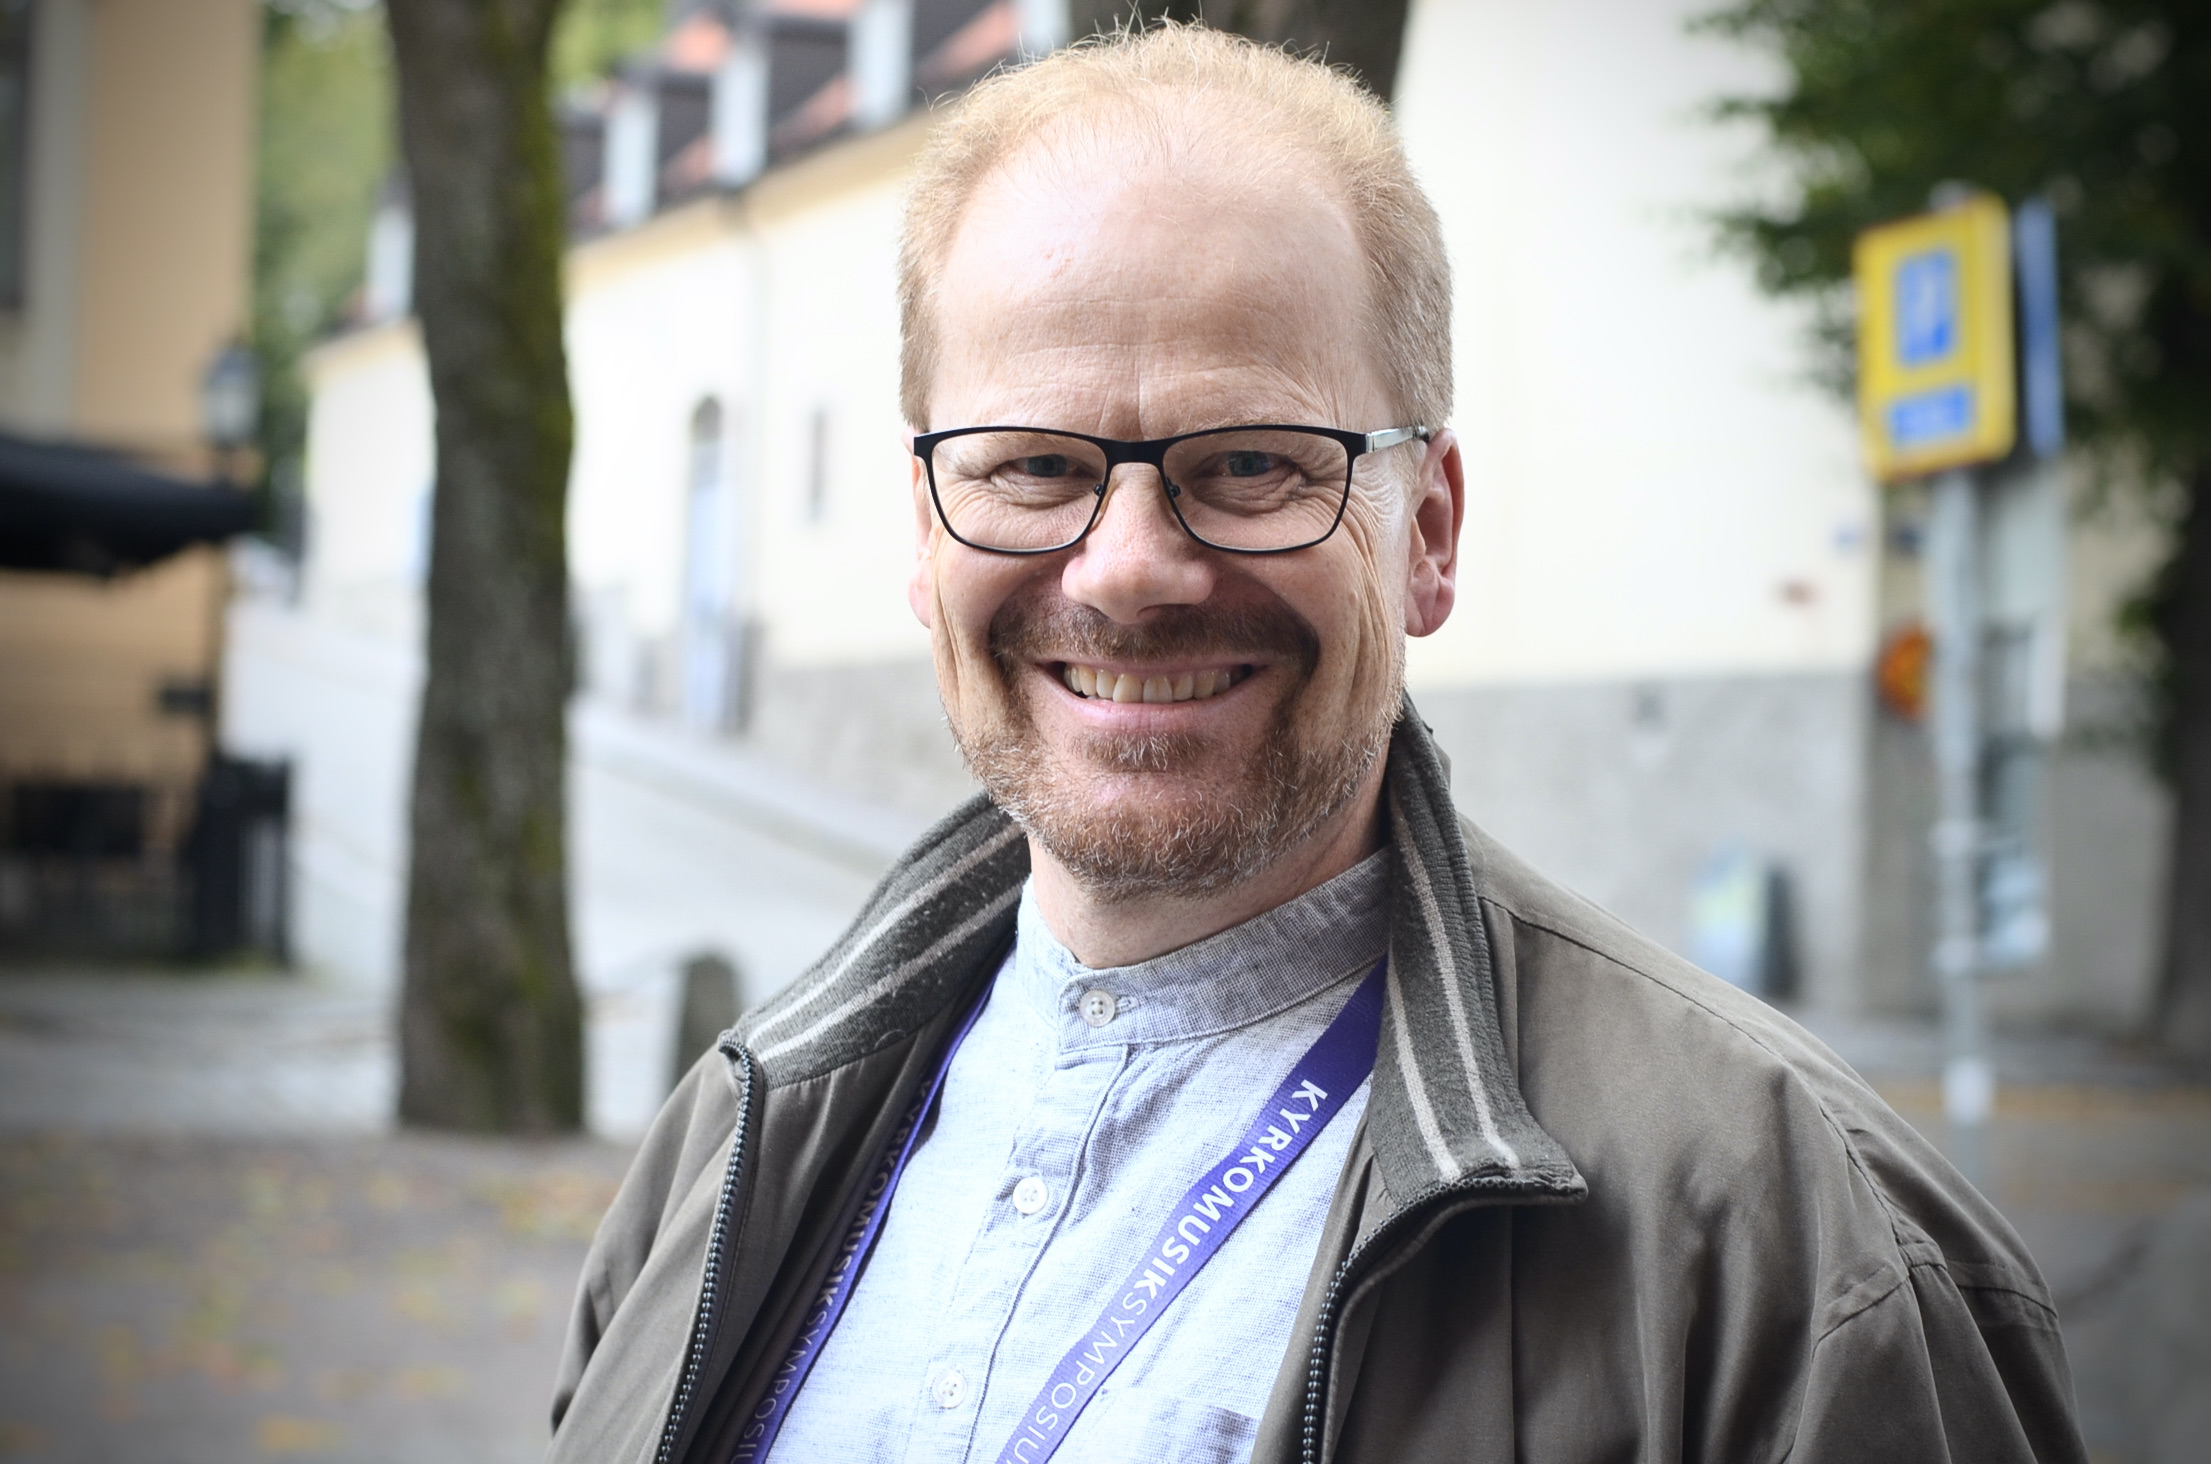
1188,834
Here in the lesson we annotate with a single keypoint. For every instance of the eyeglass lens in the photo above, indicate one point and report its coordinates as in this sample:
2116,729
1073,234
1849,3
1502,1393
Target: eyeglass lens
1240,488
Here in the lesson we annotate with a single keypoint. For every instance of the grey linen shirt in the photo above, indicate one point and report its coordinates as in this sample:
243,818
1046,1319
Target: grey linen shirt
1058,1147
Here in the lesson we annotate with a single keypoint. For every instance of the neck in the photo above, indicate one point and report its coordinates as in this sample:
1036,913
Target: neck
1102,933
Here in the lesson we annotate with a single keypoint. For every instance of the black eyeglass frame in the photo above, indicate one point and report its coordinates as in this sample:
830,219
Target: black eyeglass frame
1154,453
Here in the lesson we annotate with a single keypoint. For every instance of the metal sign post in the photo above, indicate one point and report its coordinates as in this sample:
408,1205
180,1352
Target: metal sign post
1954,726
1937,398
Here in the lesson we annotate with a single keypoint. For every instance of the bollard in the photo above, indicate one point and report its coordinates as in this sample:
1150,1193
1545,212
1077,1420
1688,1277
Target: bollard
709,1009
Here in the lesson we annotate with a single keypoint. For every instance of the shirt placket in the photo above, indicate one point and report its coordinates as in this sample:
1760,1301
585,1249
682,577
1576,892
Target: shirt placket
1043,1162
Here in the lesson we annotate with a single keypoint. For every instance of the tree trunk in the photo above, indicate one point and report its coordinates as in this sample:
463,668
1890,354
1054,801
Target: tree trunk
1365,37
491,1030
2184,626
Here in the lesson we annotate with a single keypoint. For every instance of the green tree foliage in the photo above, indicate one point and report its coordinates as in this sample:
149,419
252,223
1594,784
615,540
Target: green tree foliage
2104,108
592,37
327,145
325,148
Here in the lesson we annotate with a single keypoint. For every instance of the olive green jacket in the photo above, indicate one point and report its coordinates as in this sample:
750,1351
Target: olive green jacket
1601,1205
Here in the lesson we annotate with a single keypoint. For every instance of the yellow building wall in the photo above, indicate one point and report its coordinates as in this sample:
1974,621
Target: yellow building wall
83,663
168,213
162,259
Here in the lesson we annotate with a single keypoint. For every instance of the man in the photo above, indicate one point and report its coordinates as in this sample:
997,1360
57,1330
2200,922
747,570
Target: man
1210,1091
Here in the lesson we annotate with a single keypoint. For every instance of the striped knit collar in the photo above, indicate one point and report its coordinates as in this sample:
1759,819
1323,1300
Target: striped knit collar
1445,1108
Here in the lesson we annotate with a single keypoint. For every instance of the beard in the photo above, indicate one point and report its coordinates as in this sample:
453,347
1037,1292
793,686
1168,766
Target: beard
1194,830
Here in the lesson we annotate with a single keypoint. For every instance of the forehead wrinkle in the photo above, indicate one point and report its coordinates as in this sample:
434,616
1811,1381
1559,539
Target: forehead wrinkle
1070,227
1122,325
1223,397
1180,334
1114,388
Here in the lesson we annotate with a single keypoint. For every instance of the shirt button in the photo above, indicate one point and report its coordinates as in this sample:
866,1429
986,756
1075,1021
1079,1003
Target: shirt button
1098,1007
949,1389
1029,1195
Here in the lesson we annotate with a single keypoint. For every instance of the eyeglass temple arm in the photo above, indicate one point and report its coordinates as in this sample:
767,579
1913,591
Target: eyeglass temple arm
1391,436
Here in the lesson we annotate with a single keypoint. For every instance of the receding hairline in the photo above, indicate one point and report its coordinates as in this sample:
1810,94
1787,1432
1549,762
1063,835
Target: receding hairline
1083,152
1168,121
1138,98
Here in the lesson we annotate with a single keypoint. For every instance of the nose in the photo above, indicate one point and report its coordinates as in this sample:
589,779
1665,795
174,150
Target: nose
1137,556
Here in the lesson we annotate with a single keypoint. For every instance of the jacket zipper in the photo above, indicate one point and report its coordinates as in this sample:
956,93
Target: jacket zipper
1324,1327
702,1324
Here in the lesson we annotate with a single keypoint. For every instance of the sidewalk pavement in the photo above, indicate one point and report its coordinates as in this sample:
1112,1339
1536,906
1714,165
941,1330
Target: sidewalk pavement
213,1248
196,1300
157,1053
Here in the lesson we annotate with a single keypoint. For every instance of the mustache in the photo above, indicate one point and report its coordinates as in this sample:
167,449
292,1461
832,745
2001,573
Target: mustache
1023,633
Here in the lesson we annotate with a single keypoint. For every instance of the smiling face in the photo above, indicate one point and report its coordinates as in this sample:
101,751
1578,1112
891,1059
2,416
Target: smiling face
1164,718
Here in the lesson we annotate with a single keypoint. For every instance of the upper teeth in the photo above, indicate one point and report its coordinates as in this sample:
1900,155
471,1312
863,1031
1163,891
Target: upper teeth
1111,686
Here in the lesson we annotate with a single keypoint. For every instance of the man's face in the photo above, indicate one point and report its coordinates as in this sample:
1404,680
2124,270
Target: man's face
1092,297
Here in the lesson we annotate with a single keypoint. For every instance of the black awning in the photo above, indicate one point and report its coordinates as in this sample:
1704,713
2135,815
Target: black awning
75,508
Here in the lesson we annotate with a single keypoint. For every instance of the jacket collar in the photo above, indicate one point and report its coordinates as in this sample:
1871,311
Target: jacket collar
1445,1109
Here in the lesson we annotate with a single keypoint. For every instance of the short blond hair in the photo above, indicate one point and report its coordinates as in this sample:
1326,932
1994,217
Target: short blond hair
1317,113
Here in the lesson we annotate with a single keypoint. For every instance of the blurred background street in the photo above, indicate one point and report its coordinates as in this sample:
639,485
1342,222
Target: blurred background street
1708,630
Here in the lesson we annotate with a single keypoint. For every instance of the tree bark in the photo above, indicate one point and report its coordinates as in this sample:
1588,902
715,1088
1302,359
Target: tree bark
2184,628
491,1031
1366,37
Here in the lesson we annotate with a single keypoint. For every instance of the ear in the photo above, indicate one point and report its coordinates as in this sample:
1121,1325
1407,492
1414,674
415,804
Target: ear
921,587
1438,512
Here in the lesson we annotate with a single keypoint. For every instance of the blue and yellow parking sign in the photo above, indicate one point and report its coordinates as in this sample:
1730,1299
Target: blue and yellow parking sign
1935,371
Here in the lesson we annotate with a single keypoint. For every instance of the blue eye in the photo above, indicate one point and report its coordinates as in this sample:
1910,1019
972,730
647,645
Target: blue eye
1248,464
1054,465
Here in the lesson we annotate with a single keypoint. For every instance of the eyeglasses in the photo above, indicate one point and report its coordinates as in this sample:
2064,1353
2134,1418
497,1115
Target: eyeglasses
1244,490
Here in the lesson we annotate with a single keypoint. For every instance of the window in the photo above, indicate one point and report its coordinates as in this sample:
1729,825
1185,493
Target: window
817,468
707,650
15,153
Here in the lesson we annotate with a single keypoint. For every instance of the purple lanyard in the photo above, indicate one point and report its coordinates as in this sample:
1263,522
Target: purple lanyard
1324,1078
836,1287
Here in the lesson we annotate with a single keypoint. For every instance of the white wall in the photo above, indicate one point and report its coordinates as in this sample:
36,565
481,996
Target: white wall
835,586
781,308
369,470
1653,488
646,345
340,705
